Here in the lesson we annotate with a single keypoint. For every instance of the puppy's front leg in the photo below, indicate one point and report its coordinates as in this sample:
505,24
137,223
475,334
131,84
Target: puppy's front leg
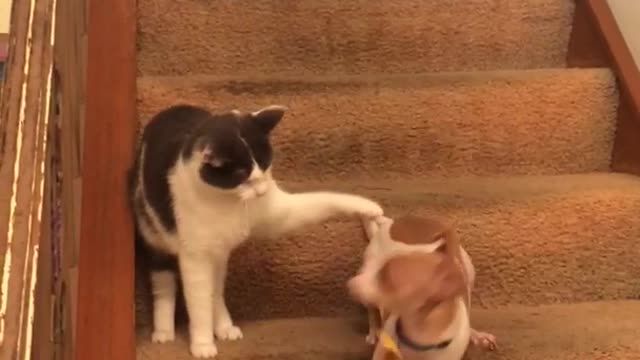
483,340
374,325
381,353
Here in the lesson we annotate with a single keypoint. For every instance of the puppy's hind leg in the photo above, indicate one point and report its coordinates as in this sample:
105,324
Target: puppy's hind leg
479,339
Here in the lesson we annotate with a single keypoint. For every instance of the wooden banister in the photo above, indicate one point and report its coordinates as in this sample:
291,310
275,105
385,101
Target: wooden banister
105,313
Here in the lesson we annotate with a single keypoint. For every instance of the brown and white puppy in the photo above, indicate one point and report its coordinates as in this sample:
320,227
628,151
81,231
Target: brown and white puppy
418,279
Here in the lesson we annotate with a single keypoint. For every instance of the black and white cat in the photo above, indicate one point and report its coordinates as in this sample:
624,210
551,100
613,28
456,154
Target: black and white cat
200,186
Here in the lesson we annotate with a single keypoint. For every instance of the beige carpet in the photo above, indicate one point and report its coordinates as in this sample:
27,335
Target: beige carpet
438,125
250,37
534,240
460,108
590,331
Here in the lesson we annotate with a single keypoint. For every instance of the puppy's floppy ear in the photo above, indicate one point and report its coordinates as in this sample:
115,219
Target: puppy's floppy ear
451,242
419,278
400,275
447,282
267,118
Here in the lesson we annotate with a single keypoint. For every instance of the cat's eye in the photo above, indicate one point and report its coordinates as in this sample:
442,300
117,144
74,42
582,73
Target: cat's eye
216,162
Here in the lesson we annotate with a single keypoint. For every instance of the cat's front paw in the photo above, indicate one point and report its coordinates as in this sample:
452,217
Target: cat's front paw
229,332
162,336
367,209
204,350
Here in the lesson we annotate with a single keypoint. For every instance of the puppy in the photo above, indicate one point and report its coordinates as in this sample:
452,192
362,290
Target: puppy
416,281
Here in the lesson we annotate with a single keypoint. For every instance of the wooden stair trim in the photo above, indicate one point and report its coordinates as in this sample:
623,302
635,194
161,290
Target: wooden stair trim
598,41
105,300
619,53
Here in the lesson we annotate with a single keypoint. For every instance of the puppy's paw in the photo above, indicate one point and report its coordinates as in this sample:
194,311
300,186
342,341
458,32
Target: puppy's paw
483,340
370,226
163,336
204,350
229,332
372,338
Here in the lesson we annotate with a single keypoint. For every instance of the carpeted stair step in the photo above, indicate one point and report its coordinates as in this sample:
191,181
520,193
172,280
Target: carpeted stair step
587,331
553,121
534,240
249,37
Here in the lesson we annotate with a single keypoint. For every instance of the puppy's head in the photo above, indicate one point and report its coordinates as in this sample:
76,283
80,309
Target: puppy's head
409,280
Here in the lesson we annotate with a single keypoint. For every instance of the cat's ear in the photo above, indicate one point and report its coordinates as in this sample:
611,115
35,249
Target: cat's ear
267,118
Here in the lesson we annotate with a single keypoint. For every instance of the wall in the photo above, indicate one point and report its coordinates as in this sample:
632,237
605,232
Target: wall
5,14
627,12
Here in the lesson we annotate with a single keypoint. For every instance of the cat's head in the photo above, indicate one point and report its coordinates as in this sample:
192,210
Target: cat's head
234,151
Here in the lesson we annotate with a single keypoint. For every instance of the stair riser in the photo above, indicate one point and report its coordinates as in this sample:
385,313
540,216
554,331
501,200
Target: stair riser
344,37
548,122
526,252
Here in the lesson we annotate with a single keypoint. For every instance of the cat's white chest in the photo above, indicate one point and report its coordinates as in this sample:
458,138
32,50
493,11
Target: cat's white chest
207,223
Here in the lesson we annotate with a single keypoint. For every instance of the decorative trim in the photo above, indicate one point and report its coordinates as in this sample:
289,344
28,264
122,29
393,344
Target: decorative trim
25,108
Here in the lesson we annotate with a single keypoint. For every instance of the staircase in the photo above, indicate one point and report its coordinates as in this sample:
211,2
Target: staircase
461,108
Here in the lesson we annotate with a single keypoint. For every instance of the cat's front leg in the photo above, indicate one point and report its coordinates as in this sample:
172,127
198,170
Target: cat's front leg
198,283
223,324
289,212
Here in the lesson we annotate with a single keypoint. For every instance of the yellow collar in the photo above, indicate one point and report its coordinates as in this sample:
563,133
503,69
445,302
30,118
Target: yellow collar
390,344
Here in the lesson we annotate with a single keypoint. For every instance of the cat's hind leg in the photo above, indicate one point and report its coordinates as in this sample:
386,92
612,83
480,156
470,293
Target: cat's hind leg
163,271
164,289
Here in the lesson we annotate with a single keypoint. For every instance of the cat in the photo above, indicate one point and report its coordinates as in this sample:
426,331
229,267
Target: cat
200,186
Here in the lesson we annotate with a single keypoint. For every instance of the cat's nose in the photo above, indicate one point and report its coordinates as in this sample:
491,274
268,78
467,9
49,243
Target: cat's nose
241,173
255,175
261,188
